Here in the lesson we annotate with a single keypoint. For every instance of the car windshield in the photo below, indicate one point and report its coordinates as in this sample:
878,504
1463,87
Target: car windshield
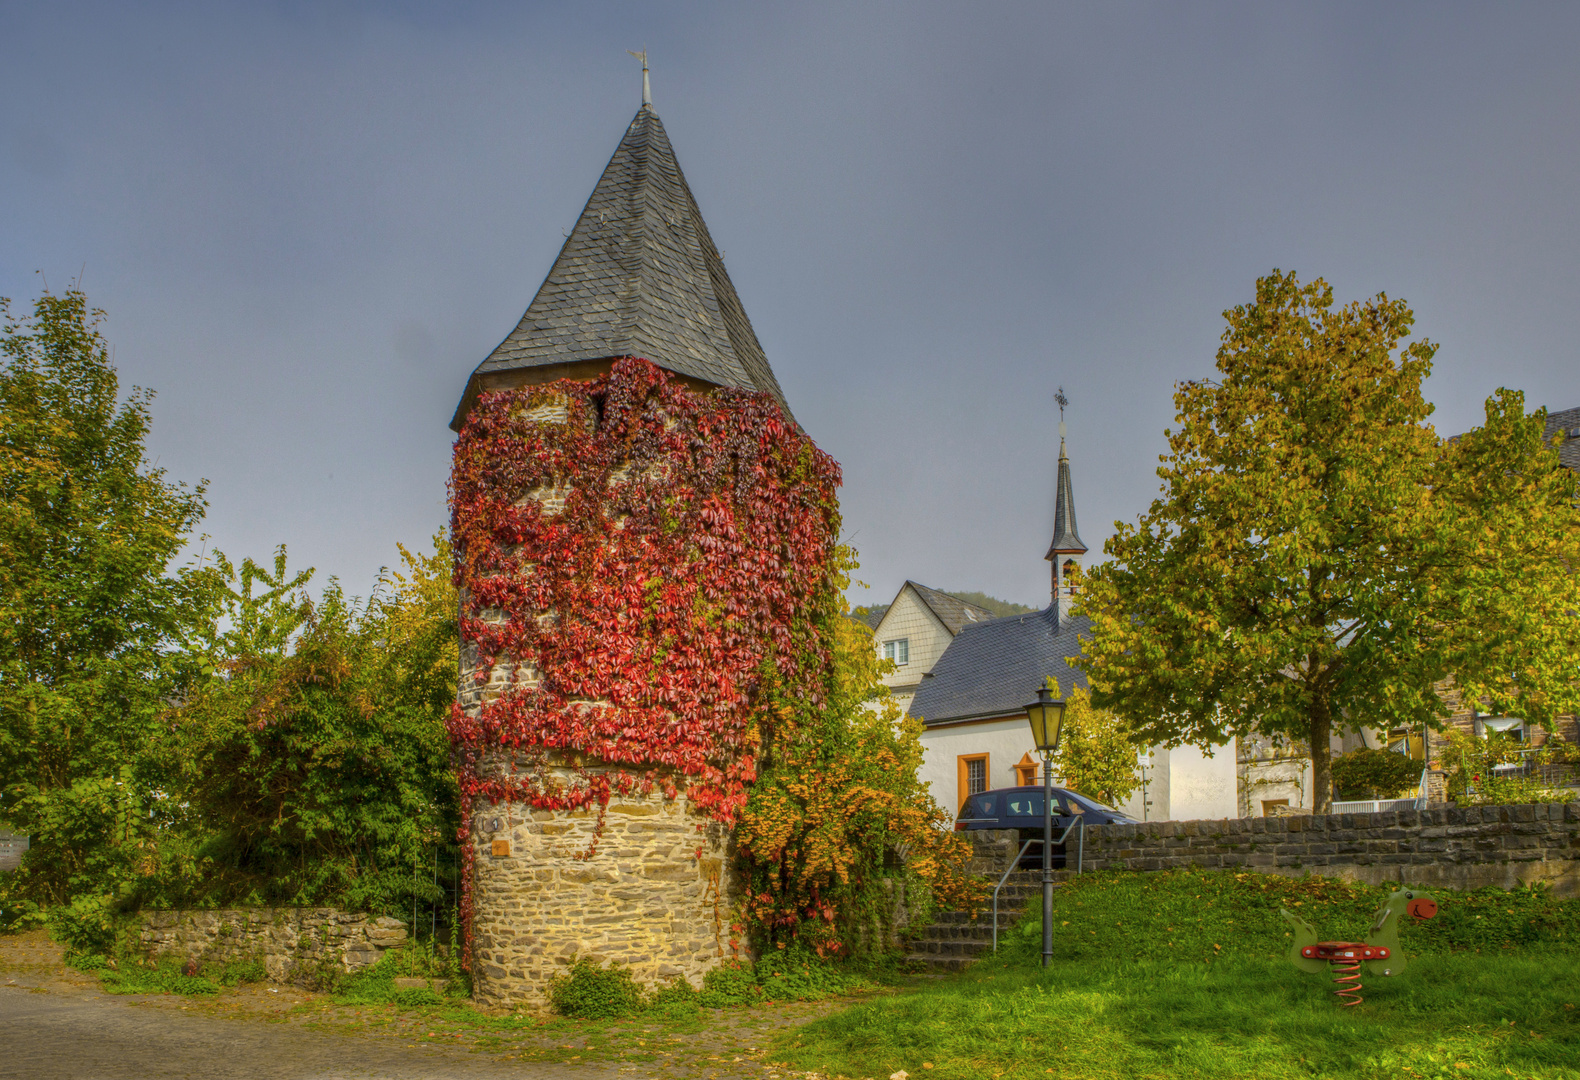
1082,803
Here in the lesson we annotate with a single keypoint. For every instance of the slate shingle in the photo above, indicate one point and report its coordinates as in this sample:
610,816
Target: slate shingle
1567,422
638,276
994,668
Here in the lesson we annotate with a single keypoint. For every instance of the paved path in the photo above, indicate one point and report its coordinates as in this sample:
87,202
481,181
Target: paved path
87,1036
91,1037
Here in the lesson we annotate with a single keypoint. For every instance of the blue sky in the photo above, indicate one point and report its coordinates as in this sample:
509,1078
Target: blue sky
308,222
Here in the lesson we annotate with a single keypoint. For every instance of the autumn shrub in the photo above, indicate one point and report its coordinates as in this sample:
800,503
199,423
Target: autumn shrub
839,818
1470,767
1367,773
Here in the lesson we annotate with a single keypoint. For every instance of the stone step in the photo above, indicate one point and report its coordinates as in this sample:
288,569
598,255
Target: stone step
955,939
941,964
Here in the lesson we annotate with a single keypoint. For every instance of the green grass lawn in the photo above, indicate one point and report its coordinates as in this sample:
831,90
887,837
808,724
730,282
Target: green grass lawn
1182,975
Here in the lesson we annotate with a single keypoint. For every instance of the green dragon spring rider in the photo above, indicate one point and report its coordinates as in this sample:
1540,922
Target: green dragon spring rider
1379,953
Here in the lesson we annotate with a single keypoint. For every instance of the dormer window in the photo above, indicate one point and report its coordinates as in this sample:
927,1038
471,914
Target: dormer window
898,650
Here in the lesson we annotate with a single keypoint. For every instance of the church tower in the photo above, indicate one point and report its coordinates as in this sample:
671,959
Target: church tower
643,535
1065,549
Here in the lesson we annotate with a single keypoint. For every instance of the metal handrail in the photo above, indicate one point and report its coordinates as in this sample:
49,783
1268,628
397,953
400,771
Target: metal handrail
1013,866
1080,862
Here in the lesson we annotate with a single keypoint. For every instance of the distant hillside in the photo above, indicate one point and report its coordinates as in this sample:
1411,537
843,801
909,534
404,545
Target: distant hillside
992,603
872,614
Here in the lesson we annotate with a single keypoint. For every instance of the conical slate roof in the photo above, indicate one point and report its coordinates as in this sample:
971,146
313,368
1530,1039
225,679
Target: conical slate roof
1065,539
638,276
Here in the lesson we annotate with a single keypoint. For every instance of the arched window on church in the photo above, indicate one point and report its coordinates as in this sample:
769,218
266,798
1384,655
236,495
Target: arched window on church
1070,575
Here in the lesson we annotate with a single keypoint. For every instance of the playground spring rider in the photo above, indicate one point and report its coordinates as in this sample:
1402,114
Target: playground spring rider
1379,953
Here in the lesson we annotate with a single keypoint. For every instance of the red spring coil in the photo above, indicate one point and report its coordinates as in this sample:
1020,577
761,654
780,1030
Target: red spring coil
1347,973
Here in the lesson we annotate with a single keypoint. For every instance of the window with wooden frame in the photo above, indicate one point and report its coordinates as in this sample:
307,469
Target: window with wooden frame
1026,771
973,770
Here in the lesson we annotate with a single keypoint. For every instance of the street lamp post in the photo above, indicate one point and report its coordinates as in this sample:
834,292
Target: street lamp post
1046,715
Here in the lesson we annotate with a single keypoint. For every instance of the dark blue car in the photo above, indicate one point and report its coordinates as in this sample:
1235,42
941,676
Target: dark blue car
1020,808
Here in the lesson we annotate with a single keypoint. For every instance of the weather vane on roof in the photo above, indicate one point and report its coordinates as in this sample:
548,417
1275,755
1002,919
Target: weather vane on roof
647,90
1063,401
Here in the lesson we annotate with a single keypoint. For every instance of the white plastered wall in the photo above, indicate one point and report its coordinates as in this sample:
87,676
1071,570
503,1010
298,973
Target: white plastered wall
1006,742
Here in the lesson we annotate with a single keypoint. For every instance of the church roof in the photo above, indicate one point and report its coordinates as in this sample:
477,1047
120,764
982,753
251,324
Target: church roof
1065,539
994,668
638,276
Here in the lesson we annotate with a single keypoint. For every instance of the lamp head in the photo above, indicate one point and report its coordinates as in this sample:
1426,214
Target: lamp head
1046,715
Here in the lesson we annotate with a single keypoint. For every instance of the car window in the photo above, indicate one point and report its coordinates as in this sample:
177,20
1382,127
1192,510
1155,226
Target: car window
1028,804
982,805
1088,804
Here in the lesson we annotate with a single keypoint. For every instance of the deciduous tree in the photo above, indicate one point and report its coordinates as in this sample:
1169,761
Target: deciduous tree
1321,560
92,619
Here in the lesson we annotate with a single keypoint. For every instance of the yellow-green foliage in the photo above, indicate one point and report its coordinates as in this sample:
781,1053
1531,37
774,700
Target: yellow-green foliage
839,808
1320,557
1097,751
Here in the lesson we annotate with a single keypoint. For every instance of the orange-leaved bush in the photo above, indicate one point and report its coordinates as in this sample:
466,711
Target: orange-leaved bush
840,818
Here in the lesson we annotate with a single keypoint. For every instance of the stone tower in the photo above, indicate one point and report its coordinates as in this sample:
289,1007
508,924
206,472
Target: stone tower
604,731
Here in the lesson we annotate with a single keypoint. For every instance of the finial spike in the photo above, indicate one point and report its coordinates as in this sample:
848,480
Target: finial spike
1063,401
647,88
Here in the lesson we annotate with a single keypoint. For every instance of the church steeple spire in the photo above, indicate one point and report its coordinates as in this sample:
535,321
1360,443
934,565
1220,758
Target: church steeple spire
1065,549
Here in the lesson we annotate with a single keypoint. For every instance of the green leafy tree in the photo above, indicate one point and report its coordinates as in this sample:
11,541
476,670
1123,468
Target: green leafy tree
92,622
314,764
1097,751
1320,560
1369,773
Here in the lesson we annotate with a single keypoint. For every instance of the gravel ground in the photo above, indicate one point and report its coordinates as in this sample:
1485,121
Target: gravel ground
56,1024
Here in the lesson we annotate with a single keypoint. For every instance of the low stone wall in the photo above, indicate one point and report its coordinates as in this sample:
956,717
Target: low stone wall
1453,847
654,894
299,945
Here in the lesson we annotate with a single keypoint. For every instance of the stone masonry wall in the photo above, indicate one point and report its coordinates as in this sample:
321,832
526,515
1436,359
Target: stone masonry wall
1454,847
298,945
654,897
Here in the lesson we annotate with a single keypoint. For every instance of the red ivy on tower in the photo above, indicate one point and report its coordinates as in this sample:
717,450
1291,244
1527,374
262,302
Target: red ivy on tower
651,560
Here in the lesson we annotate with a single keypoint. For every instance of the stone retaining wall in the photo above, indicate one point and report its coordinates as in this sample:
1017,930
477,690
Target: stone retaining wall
1453,847
300,945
